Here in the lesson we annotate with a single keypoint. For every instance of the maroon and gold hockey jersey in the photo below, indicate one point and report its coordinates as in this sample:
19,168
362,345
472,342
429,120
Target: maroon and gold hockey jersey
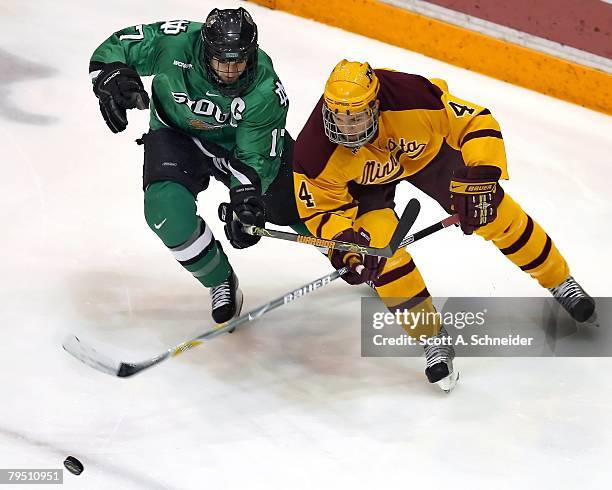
416,116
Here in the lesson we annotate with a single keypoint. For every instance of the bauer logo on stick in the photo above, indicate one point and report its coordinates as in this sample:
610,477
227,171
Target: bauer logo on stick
298,293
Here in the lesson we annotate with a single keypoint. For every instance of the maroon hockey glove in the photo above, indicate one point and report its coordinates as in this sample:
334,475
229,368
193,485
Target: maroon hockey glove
363,268
475,195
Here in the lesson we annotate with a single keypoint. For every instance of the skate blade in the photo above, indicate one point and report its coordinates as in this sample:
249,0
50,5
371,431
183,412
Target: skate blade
591,321
448,384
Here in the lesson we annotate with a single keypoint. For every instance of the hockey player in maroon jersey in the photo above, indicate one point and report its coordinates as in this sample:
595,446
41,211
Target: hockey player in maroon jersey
374,128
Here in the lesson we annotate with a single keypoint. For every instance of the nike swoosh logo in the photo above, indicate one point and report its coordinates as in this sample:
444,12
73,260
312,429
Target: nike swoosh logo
212,95
455,186
158,226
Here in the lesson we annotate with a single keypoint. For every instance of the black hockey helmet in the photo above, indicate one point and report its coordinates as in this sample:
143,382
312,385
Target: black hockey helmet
229,39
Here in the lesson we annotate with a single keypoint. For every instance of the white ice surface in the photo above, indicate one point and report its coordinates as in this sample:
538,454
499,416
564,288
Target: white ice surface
287,402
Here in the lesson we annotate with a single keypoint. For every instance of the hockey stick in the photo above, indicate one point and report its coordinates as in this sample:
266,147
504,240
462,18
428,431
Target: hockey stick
95,359
451,220
405,223
446,222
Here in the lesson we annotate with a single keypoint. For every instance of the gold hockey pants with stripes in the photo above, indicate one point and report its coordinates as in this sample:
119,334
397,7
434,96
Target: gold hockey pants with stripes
513,232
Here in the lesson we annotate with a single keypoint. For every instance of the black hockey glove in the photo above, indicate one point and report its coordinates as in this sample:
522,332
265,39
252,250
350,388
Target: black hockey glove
118,87
245,208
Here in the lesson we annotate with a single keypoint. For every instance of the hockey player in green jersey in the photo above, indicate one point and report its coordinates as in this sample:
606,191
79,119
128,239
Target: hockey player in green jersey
217,108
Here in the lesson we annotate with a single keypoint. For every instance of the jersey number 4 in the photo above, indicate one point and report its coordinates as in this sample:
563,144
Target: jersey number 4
305,195
461,110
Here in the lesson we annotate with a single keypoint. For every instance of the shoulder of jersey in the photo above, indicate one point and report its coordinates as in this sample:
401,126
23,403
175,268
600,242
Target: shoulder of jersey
404,91
185,40
313,149
263,91
191,28
266,76
193,25
264,61
193,32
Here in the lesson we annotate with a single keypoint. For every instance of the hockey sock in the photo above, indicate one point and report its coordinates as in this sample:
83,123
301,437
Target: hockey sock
170,211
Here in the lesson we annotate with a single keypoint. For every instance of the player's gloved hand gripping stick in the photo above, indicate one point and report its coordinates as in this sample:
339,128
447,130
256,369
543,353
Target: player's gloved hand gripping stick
245,208
105,364
362,268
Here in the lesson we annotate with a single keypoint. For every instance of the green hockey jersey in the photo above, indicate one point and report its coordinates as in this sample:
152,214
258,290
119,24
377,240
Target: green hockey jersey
252,126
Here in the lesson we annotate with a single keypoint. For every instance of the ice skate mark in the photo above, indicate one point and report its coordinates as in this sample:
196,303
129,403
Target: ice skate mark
13,70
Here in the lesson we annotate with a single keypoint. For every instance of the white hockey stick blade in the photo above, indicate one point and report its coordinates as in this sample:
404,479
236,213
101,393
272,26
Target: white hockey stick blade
90,356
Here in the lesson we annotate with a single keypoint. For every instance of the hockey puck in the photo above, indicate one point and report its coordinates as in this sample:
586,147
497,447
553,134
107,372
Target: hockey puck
73,465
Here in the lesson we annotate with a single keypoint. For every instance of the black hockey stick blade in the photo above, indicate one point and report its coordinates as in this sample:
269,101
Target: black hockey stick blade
406,221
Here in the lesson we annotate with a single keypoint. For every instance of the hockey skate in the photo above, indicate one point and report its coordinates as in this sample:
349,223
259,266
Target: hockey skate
226,299
575,301
439,357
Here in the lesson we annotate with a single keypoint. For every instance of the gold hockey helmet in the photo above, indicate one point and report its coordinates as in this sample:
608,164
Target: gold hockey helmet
350,111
